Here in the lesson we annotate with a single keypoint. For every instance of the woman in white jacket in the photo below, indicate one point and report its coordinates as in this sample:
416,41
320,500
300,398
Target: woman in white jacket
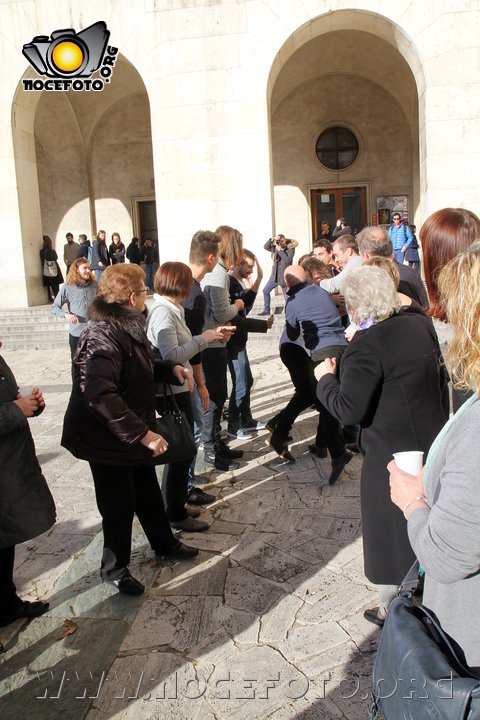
170,336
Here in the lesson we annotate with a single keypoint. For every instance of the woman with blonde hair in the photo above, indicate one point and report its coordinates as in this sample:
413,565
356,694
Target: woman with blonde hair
110,422
391,382
216,286
77,293
442,503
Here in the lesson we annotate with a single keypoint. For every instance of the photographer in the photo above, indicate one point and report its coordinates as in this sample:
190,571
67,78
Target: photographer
282,251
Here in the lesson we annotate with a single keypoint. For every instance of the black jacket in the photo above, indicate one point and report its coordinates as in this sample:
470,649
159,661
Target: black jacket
133,253
26,505
112,405
117,253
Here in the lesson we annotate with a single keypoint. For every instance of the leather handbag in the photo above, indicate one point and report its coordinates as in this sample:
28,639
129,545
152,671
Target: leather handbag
417,674
173,425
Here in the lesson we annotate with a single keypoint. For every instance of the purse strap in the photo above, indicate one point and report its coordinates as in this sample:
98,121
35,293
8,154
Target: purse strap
409,583
168,392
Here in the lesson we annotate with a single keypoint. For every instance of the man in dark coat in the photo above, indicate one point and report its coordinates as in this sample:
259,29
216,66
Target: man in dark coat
282,251
26,505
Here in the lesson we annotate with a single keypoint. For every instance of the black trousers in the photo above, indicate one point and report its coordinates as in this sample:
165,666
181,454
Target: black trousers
175,477
122,492
300,367
9,600
214,363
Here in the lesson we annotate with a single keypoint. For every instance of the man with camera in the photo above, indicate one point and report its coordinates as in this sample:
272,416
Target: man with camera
282,251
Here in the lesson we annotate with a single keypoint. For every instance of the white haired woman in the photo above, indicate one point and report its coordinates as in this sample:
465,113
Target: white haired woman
442,503
393,384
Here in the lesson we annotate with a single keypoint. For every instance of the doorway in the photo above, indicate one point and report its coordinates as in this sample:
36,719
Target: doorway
332,203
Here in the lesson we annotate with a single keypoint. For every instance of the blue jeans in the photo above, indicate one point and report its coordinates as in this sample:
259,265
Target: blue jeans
197,432
271,284
149,275
242,380
399,256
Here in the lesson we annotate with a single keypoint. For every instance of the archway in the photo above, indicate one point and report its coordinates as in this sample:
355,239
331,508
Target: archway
82,158
349,69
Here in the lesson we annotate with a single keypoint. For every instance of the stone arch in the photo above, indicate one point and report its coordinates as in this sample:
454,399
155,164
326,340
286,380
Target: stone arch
60,184
340,55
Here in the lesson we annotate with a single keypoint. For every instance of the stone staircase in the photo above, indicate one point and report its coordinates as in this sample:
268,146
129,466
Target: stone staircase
35,328
32,328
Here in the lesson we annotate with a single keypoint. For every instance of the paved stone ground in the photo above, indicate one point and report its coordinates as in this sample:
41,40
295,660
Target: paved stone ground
265,623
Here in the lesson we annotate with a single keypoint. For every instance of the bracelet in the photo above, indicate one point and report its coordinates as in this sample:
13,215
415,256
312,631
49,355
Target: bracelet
416,499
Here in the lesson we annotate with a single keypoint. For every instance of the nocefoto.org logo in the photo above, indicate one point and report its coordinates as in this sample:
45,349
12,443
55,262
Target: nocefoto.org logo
69,57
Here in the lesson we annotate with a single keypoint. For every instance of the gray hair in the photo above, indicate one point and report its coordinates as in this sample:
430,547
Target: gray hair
374,241
370,294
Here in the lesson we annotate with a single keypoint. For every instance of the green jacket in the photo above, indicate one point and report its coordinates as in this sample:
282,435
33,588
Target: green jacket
26,505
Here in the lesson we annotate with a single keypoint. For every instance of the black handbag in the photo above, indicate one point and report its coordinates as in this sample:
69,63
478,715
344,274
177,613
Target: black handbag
417,674
173,425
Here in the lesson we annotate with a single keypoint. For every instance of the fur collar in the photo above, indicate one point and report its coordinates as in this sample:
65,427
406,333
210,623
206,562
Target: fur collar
130,321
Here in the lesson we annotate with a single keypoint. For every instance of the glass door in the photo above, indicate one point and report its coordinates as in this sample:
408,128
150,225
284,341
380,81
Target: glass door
333,203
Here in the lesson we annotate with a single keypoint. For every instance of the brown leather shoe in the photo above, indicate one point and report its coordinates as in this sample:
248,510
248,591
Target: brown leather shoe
193,512
190,525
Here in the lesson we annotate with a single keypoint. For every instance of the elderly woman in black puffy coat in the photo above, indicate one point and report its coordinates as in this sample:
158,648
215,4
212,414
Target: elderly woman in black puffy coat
110,421
26,505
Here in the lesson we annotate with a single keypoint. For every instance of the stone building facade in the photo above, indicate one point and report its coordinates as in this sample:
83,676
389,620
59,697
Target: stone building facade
213,114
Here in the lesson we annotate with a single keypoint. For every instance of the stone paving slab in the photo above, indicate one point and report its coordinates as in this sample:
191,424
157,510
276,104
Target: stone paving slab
265,623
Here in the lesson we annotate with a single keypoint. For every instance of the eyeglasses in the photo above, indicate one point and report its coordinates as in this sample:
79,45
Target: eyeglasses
396,218
140,291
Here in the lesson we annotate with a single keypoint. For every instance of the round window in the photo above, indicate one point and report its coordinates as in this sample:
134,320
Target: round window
337,148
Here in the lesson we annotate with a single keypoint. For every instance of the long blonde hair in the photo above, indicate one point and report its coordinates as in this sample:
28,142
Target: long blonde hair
459,285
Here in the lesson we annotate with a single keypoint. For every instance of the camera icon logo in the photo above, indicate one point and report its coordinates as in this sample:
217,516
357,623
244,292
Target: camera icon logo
67,54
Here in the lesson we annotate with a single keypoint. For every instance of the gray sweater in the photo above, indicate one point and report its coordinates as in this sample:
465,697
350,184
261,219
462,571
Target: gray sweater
168,332
216,288
446,539
77,298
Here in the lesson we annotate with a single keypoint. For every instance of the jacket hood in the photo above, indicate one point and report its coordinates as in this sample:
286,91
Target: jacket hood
131,321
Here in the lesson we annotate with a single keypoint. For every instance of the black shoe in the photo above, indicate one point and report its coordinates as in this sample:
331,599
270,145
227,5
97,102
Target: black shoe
338,465
265,312
318,451
198,497
178,551
127,584
281,448
272,424
373,616
25,610
220,462
223,449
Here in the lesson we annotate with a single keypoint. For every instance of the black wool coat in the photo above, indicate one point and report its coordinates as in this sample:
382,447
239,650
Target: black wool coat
112,405
26,505
393,382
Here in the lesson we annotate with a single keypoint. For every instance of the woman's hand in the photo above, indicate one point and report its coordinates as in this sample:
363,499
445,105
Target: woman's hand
71,318
223,333
182,374
155,443
204,396
29,404
404,488
327,367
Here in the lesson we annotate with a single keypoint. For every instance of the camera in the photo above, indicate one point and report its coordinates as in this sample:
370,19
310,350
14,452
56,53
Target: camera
67,53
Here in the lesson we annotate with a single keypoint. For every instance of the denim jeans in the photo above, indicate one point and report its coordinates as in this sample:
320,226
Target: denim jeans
198,426
242,380
399,256
149,275
271,284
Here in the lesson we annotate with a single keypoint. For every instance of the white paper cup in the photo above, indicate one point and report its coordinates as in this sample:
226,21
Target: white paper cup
410,462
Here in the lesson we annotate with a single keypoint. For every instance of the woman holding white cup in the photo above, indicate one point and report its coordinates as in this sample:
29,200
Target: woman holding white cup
442,502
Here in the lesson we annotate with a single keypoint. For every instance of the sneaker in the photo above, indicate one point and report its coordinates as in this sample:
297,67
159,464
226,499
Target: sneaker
198,497
318,451
338,465
253,425
177,550
190,524
224,450
265,312
280,447
220,462
240,434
